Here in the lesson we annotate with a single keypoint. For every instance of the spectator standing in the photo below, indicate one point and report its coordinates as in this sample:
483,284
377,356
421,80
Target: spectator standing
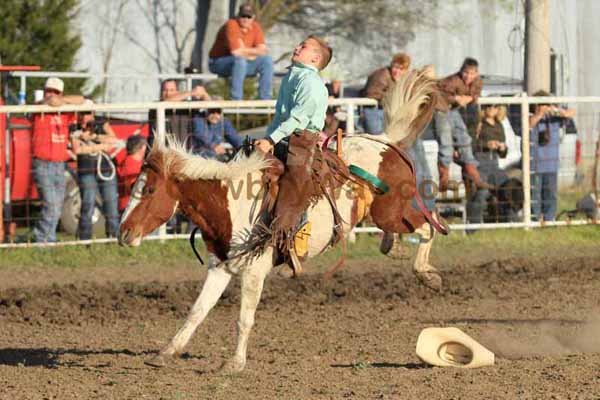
178,122
130,167
490,146
91,141
240,51
211,132
545,122
459,90
50,141
377,84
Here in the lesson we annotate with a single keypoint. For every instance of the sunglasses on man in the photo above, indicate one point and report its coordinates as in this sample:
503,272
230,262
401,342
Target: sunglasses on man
249,16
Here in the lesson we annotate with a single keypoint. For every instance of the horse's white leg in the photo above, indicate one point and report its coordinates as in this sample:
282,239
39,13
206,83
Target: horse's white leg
214,285
253,278
426,273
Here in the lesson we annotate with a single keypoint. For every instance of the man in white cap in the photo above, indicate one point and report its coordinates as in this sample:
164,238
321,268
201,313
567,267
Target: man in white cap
50,140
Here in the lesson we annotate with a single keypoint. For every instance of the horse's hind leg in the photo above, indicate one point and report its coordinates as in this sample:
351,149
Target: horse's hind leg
253,278
217,280
424,271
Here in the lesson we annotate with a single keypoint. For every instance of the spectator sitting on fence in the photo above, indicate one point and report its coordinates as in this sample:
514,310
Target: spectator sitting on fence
545,123
129,168
178,122
377,84
211,132
490,145
49,142
92,141
459,90
240,51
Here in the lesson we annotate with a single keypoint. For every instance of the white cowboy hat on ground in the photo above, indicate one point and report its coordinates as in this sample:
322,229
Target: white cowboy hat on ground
451,347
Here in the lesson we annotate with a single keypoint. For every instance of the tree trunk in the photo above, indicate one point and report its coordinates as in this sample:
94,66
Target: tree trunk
198,53
210,16
538,46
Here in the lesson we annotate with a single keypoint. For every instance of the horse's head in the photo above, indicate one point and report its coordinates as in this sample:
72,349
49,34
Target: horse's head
172,178
154,200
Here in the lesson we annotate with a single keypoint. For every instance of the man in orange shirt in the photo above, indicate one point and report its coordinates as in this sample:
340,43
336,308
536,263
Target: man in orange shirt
240,51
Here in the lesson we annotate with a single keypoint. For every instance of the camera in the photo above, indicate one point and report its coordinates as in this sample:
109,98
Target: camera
554,111
95,127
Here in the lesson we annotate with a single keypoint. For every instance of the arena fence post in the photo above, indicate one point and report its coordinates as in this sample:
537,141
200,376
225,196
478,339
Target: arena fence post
23,90
526,161
350,118
161,135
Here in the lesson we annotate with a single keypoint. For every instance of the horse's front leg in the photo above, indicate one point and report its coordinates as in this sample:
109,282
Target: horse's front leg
217,280
253,278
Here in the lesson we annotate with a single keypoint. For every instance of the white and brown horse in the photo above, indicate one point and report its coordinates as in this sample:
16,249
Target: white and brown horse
222,198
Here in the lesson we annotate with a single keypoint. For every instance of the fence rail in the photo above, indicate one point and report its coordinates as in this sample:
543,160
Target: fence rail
351,105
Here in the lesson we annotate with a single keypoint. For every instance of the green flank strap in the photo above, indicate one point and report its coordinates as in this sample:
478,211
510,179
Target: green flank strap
361,173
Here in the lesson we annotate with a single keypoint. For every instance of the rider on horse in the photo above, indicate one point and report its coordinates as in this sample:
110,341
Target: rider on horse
294,136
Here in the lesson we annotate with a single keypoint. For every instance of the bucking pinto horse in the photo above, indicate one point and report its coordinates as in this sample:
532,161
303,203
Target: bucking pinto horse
223,198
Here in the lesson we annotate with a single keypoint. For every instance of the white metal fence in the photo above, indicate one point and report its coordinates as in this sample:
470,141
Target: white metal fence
352,107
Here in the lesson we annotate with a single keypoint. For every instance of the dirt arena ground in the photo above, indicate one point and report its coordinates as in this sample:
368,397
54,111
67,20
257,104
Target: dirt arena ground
85,333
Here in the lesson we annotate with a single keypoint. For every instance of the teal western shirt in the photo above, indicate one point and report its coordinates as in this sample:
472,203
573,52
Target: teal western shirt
301,104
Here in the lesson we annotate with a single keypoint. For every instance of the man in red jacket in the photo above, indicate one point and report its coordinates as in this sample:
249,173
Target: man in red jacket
50,140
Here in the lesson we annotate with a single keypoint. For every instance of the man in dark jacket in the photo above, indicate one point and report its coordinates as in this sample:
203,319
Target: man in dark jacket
377,84
459,90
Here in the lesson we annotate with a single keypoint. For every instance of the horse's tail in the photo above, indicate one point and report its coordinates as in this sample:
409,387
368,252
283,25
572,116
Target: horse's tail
408,107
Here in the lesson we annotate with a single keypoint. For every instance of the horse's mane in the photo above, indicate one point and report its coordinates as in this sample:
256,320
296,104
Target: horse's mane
177,160
408,107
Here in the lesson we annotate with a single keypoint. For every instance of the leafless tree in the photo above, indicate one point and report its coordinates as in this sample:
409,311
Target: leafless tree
109,20
171,34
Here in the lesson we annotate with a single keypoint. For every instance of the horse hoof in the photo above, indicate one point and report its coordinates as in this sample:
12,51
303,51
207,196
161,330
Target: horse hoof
232,367
398,252
158,361
386,243
285,272
431,279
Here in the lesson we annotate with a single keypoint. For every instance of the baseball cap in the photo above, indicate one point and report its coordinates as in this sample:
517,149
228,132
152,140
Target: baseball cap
55,83
246,10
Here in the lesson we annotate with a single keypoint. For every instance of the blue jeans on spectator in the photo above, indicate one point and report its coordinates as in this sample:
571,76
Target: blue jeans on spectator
544,186
238,68
442,131
451,132
373,120
425,185
49,177
89,185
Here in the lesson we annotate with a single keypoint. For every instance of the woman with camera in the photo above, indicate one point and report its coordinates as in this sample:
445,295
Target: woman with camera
489,147
545,123
91,142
